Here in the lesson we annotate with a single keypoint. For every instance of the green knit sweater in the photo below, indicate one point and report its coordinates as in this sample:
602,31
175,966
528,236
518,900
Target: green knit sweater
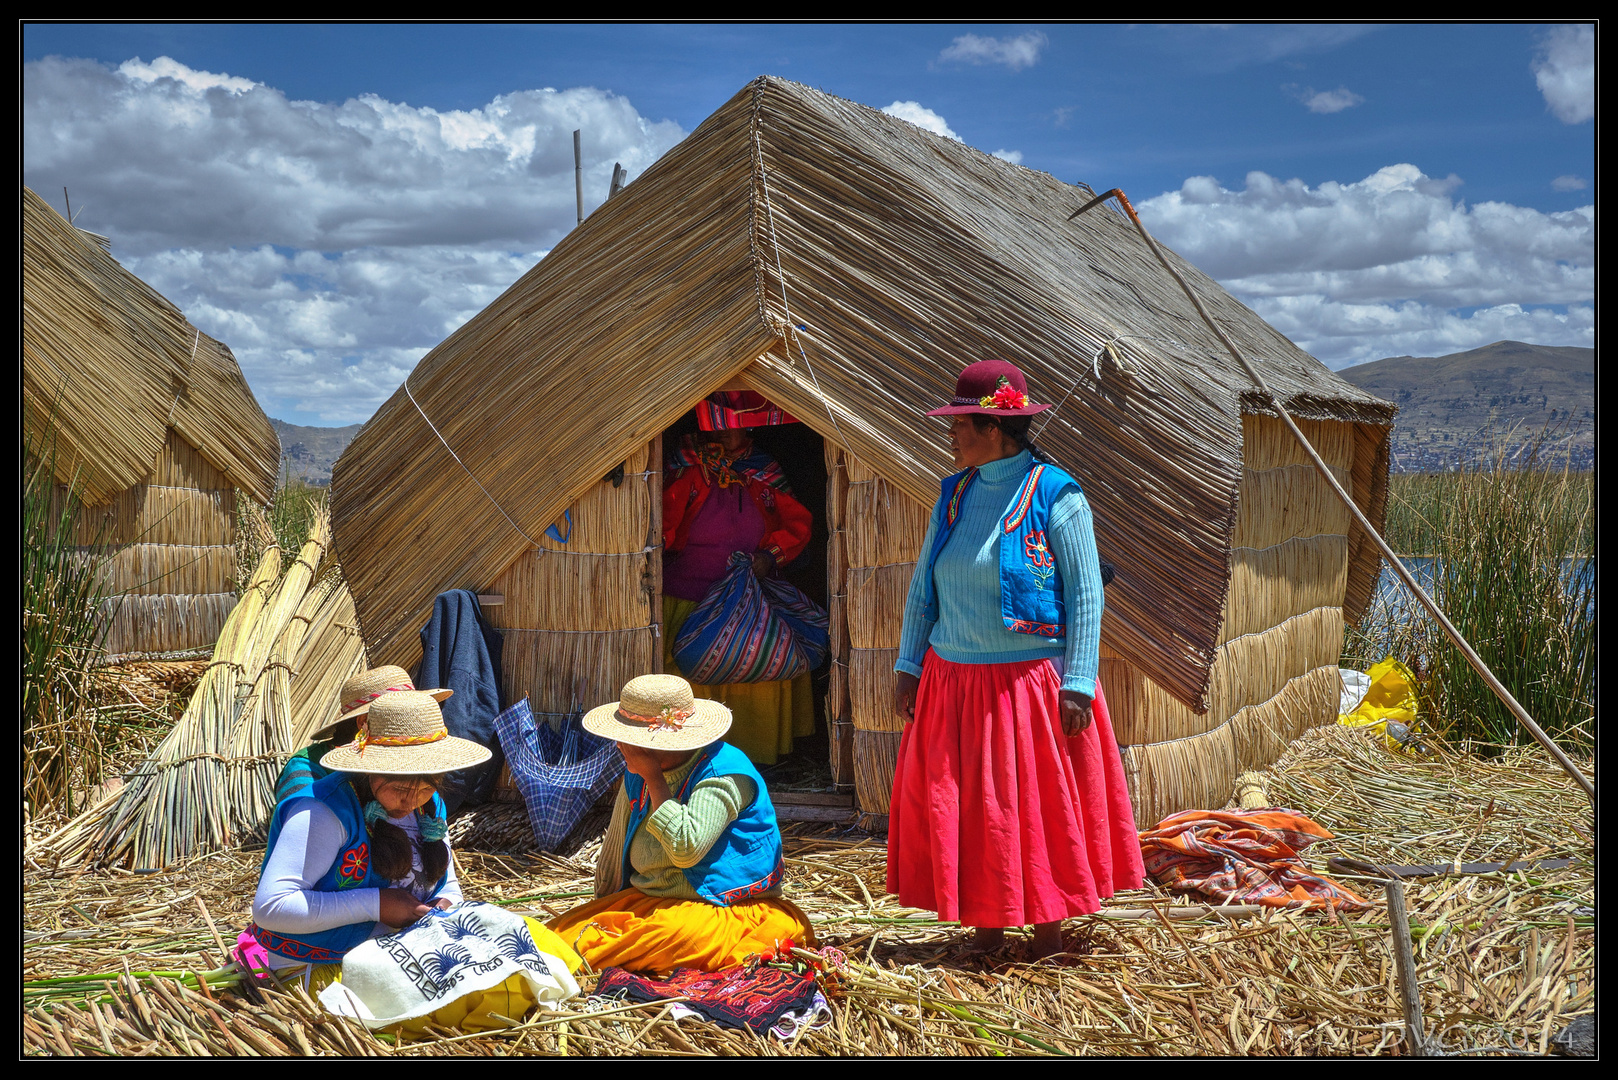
673,836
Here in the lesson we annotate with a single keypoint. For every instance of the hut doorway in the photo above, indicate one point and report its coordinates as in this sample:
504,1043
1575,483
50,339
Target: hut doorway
801,453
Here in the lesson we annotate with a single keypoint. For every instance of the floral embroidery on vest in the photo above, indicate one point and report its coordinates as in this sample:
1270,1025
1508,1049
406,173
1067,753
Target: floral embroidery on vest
1040,562
356,862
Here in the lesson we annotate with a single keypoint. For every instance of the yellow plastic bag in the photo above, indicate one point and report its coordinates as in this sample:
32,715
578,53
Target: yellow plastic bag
1388,707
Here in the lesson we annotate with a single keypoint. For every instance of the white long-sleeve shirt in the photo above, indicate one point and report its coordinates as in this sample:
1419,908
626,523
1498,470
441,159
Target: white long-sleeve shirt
311,840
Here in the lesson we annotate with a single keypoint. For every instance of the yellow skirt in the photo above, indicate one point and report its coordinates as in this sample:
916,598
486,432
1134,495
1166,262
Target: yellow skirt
765,716
478,1010
637,932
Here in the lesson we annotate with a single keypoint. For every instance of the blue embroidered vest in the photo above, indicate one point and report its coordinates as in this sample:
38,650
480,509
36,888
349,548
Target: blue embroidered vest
350,870
1030,583
746,859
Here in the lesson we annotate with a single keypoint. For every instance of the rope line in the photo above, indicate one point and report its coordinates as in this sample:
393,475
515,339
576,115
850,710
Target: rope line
775,244
464,469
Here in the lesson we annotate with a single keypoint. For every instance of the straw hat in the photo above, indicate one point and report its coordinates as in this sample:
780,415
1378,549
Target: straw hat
659,712
992,388
405,735
368,685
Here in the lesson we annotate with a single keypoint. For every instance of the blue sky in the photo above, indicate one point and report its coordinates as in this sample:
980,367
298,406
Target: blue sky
1371,190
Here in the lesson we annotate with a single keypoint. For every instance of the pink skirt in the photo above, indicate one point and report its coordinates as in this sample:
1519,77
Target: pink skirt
997,819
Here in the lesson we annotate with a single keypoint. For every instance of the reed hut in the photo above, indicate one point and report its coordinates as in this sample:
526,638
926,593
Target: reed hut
847,264
153,422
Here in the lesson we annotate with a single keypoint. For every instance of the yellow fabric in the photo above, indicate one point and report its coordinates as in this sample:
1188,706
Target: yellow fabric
766,716
478,1010
1392,696
631,930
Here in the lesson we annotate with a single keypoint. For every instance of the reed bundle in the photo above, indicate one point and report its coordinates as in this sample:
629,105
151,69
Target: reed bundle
261,737
885,526
876,753
331,653
209,783
562,670
156,514
113,366
847,265
1503,960
158,569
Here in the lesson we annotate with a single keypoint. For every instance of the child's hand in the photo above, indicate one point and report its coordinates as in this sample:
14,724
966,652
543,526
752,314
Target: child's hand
399,907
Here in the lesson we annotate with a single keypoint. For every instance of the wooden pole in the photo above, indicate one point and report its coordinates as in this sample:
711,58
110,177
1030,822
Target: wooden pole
1404,965
654,553
578,176
1393,560
619,176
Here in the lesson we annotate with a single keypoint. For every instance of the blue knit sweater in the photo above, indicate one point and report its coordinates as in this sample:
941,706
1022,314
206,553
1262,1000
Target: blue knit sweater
969,629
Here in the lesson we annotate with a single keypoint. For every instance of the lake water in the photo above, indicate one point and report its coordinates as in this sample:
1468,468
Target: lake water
1391,591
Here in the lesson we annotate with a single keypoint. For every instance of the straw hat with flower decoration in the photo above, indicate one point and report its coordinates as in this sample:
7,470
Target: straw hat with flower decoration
404,735
659,712
365,687
992,388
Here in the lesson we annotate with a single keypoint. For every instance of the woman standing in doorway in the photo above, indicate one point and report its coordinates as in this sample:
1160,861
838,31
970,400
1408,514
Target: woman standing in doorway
721,495
1009,804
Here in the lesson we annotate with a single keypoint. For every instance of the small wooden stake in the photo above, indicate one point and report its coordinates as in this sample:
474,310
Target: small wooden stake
1404,966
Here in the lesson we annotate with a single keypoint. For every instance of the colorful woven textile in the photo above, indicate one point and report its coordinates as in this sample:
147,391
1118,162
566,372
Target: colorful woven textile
729,409
560,773
1243,857
754,996
629,929
710,458
747,630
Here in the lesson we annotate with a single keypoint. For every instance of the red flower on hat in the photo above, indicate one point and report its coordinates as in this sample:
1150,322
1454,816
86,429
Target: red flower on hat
1005,397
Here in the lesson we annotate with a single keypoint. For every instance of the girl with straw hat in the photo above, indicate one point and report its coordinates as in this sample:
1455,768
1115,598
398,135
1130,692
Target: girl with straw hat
358,692
690,870
364,851
1009,805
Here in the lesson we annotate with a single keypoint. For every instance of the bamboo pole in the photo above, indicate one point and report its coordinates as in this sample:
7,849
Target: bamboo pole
1404,962
1394,561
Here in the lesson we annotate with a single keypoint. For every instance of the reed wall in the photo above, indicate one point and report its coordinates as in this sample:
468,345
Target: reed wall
876,533
1281,630
578,619
170,554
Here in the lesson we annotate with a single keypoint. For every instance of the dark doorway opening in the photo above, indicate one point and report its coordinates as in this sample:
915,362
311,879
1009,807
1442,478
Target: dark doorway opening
801,453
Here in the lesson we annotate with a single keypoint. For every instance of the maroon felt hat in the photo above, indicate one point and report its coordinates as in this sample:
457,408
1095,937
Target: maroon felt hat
993,388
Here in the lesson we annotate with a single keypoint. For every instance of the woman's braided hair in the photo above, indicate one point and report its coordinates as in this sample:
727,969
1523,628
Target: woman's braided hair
390,845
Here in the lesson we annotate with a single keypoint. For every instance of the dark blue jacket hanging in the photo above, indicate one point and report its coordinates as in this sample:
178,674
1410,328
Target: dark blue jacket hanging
460,651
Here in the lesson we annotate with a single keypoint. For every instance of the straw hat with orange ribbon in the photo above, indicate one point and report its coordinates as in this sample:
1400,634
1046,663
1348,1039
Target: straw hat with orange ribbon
659,712
404,735
365,687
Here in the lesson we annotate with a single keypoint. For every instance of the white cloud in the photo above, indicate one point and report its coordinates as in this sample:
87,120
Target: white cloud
1013,156
922,117
1564,66
1015,52
223,194
1568,183
1356,271
1325,101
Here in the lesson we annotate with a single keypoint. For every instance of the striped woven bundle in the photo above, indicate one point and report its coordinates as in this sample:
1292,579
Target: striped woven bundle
747,630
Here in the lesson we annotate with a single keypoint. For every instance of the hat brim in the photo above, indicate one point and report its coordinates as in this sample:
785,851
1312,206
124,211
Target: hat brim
961,410
707,724
424,759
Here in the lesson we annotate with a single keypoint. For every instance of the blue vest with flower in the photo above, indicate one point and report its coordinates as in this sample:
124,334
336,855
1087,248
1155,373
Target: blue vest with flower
1030,583
745,861
350,870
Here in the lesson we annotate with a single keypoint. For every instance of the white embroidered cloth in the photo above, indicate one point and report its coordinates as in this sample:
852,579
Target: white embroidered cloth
441,957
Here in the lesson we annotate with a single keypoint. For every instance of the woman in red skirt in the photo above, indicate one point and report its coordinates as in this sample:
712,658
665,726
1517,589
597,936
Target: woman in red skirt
1009,804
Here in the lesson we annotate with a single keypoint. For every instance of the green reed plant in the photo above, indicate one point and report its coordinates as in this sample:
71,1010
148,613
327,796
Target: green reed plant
285,522
1503,539
64,622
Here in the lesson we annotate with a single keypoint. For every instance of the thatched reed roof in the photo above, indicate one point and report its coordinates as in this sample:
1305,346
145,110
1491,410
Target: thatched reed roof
112,365
904,256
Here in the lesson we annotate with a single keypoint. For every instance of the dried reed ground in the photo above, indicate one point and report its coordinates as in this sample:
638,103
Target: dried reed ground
1504,961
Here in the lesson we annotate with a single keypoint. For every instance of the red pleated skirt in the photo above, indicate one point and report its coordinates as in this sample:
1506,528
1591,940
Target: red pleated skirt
997,818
